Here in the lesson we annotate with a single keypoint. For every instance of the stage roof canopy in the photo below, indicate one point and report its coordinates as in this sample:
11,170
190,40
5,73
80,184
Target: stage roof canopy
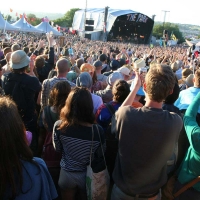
97,14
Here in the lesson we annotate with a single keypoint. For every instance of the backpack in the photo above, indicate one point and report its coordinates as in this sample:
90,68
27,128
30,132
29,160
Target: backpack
111,143
49,155
17,92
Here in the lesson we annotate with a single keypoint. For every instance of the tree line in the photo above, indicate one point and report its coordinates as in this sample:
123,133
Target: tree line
67,20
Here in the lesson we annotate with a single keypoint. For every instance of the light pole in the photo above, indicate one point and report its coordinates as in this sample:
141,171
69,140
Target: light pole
165,12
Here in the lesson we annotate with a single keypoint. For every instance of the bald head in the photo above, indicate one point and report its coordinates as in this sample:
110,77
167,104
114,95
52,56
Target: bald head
8,55
62,66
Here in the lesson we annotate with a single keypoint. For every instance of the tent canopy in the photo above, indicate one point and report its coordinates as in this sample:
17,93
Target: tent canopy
24,26
8,26
45,27
97,14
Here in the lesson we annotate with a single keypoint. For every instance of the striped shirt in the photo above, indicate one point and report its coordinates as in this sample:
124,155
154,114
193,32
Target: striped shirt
75,144
47,85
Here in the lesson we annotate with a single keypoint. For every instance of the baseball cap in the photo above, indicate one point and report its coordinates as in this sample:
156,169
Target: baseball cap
97,63
19,59
124,70
114,65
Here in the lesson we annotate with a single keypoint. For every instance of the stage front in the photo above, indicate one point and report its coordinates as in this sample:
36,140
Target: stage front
120,25
133,27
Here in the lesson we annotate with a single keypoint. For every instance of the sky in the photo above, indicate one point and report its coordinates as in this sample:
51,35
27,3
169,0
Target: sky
180,11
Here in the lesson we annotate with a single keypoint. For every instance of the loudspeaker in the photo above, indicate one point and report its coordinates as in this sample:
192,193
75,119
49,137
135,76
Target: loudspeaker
89,28
88,36
89,22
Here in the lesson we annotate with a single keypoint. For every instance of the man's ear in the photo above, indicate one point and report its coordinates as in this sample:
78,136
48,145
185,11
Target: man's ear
144,86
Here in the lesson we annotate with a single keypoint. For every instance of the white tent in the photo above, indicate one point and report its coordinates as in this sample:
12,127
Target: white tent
45,27
24,26
97,14
6,25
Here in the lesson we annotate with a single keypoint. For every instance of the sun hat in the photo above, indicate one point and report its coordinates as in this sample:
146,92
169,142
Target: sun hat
113,77
139,63
84,80
19,59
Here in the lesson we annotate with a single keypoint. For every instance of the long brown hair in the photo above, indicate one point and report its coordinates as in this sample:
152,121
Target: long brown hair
59,94
78,108
13,147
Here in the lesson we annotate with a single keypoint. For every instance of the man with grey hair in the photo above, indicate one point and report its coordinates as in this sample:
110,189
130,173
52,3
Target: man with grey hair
15,47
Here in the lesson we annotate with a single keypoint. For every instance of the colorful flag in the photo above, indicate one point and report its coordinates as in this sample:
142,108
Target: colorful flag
174,37
25,16
45,19
11,10
16,14
161,42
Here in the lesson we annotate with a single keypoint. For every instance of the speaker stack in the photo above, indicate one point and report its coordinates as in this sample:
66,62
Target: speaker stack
89,25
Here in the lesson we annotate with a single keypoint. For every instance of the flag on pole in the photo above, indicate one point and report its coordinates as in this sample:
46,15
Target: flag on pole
161,42
174,37
11,10
45,19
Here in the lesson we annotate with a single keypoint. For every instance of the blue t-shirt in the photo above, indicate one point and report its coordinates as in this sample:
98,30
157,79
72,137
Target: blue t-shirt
70,50
103,115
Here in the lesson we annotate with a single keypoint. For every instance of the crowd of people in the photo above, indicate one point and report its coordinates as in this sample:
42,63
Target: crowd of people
68,103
